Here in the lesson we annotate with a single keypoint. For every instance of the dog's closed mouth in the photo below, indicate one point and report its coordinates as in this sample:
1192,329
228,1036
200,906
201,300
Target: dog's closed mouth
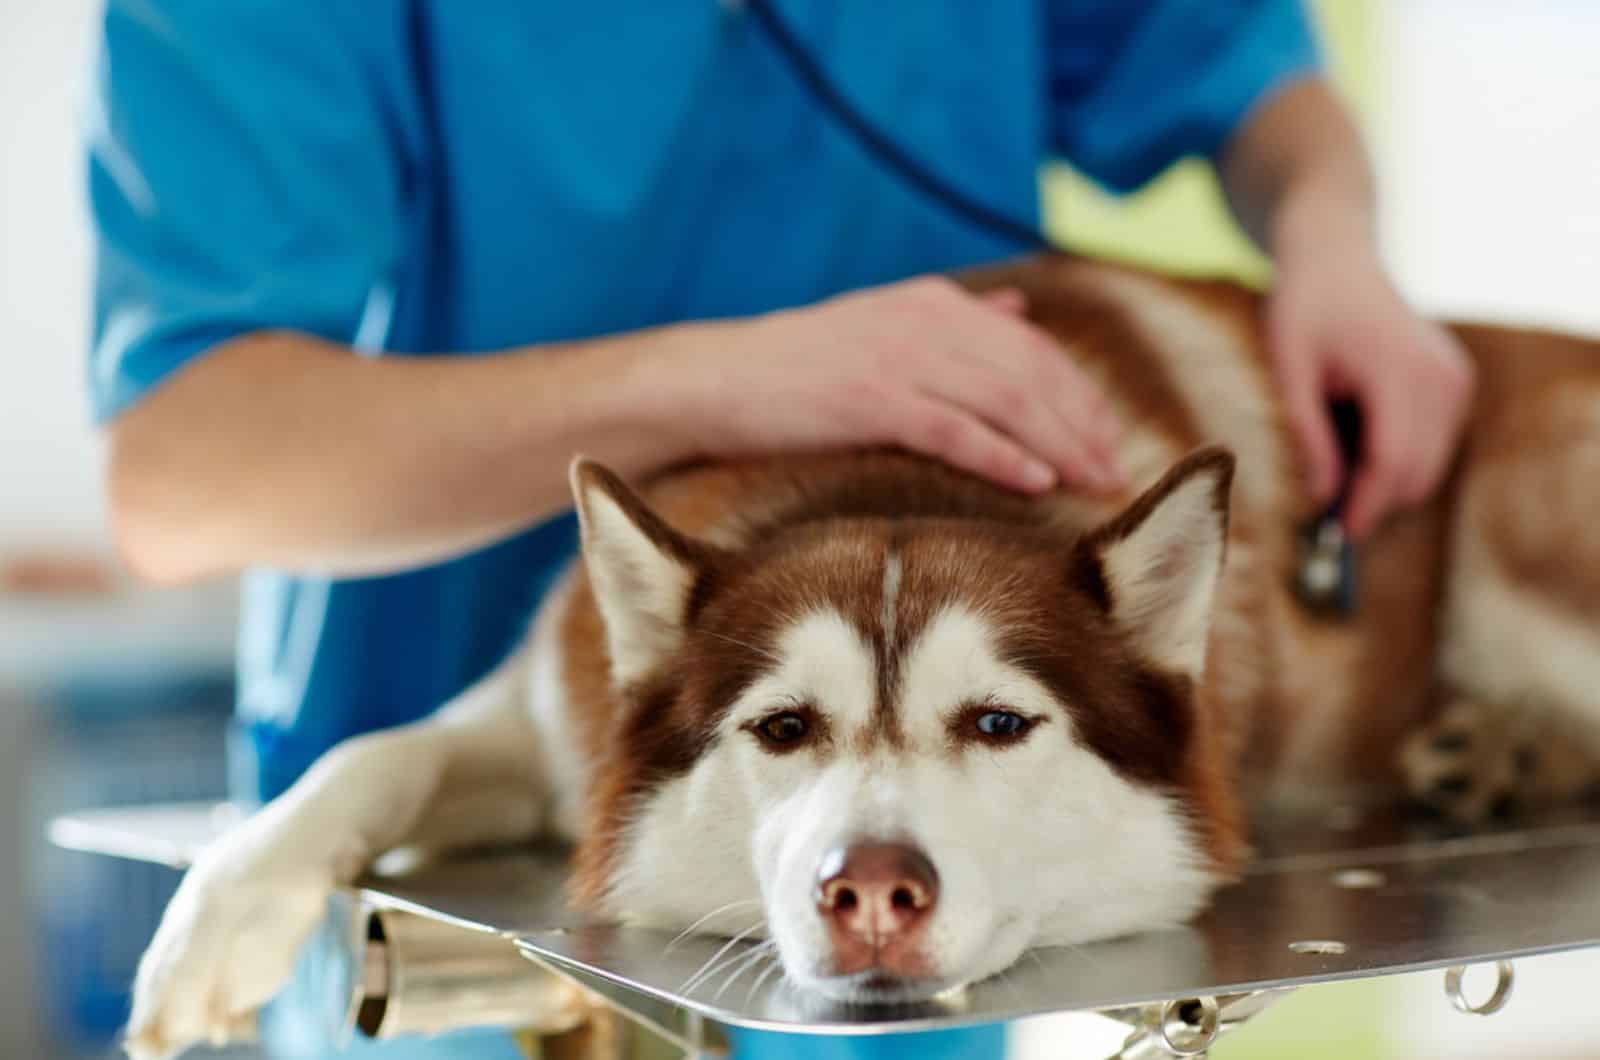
876,988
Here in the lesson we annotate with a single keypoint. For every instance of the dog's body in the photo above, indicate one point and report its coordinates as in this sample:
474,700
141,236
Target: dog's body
893,713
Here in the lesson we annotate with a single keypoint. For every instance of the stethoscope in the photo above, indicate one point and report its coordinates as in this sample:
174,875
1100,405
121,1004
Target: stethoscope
1325,578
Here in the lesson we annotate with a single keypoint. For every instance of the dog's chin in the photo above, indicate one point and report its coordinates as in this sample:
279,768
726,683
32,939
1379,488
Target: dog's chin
875,987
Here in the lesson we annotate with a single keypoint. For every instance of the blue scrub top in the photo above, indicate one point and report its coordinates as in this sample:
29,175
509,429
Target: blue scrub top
433,177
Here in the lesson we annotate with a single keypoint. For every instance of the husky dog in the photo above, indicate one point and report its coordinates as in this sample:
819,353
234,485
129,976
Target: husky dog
924,724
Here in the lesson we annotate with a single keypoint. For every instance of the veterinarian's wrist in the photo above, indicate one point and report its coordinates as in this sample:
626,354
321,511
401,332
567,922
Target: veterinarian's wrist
624,398
1326,216
671,392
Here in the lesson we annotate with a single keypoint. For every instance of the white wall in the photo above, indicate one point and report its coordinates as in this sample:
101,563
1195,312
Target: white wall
1490,154
49,463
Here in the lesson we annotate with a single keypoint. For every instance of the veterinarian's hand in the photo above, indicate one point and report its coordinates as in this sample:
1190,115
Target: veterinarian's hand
1339,329
922,364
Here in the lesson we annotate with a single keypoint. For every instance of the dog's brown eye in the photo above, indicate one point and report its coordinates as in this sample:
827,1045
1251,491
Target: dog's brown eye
785,728
1002,724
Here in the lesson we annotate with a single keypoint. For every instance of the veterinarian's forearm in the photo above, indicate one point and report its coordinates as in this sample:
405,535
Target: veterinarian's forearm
282,450
1298,174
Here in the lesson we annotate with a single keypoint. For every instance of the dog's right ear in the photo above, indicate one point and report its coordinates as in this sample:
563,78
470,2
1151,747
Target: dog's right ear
641,570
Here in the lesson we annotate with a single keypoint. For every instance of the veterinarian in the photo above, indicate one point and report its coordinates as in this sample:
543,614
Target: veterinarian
369,273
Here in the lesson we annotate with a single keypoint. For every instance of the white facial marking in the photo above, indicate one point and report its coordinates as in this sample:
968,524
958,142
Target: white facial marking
1037,843
823,660
891,595
955,661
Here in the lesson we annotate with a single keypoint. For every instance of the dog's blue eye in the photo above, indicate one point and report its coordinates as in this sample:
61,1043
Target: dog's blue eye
1002,723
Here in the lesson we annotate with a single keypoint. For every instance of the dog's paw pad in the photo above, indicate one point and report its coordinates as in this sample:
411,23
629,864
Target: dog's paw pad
1479,762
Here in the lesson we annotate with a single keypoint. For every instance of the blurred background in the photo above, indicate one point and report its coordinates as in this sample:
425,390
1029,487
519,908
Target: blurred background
1484,117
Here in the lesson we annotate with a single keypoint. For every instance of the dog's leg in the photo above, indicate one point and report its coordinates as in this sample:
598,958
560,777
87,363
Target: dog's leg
230,936
1522,619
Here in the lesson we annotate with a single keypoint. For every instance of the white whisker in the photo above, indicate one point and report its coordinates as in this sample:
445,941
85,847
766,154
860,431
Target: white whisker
686,932
744,644
775,966
746,963
723,965
709,966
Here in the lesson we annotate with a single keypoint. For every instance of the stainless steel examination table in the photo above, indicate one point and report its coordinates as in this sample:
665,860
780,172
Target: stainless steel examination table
487,939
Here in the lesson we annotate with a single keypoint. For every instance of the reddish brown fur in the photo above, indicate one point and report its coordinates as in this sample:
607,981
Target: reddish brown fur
1287,697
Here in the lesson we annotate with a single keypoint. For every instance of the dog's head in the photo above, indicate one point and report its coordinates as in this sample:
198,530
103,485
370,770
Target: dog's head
911,747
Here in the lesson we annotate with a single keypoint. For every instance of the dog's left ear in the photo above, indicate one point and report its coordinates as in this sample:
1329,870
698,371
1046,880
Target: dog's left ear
1154,567
641,570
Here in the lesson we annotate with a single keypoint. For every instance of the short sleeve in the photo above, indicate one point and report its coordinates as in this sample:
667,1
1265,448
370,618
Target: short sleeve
1136,86
247,170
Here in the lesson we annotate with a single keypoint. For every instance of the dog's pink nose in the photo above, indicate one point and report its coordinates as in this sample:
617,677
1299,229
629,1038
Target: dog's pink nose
876,893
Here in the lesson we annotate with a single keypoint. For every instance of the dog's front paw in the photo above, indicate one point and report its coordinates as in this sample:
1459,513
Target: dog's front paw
1486,761
227,943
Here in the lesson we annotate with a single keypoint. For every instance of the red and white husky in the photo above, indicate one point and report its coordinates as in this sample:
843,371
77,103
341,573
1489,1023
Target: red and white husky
924,724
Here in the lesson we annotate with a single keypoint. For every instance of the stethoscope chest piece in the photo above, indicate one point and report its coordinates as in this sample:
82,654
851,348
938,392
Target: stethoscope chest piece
1325,578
